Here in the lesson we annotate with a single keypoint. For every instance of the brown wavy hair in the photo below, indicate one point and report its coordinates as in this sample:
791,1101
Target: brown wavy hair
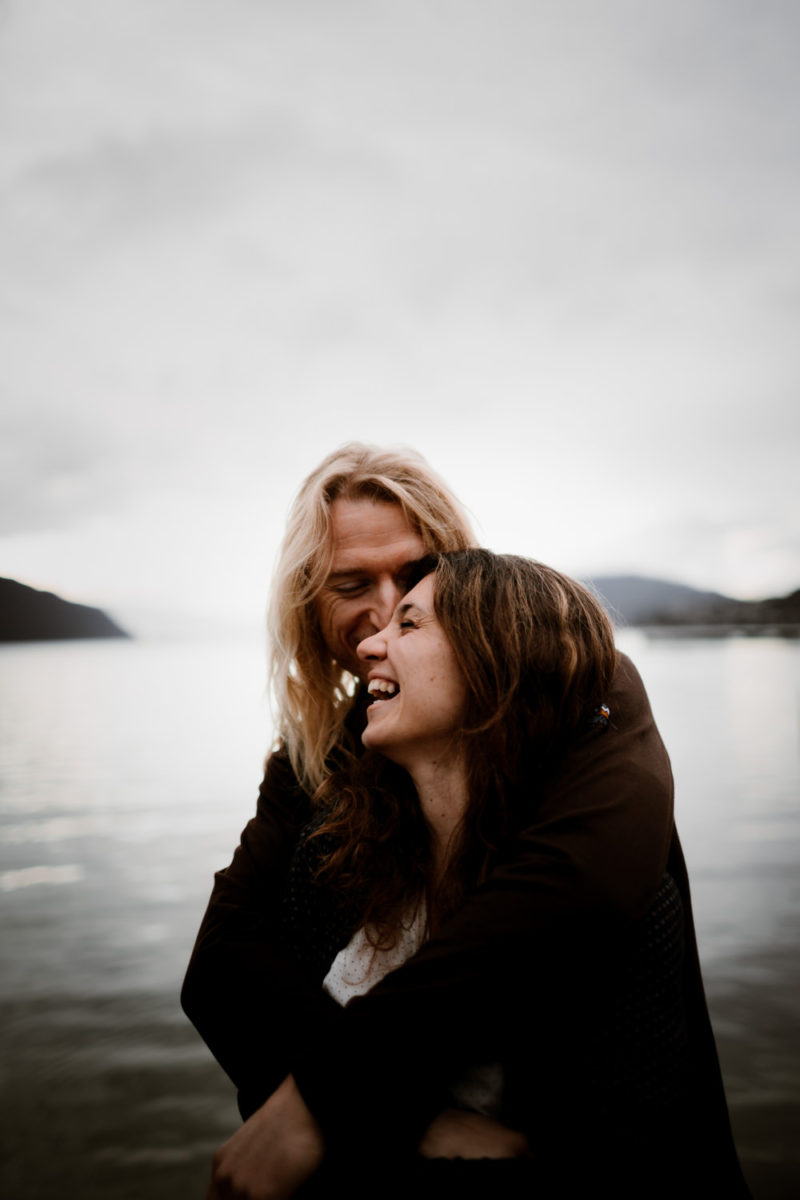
537,652
311,692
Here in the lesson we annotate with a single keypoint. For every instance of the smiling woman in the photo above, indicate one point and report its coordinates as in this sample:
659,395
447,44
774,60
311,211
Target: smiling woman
490,669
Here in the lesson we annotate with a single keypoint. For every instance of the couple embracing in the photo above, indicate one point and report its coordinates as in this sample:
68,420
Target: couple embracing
454,949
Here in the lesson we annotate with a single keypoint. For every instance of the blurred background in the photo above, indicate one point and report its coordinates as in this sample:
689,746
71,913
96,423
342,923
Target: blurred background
554,247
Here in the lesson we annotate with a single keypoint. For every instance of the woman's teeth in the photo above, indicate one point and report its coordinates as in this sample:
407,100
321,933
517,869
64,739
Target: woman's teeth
381,689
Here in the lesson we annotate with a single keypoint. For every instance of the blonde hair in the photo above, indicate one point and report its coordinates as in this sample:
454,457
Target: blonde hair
311,692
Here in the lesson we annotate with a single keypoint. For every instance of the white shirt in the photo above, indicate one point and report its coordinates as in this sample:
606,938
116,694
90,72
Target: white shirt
360,965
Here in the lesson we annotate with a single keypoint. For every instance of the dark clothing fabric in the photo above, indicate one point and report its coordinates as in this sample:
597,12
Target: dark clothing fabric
527,972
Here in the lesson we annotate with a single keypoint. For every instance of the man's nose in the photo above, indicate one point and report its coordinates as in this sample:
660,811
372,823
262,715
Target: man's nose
384,600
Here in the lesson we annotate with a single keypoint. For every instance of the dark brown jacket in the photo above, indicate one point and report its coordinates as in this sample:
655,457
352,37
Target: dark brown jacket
530,956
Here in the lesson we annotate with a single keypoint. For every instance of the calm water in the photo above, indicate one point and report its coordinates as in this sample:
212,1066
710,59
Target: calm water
126,773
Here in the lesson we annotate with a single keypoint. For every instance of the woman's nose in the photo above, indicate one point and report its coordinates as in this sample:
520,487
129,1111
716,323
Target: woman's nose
372,647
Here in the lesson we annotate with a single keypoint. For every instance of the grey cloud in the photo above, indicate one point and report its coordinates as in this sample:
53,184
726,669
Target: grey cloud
171,175
53,471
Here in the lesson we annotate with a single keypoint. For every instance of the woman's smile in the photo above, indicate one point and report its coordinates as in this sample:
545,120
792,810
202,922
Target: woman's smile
382,689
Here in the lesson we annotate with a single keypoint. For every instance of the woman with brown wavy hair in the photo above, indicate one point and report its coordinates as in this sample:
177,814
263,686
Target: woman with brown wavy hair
581,1049
490,669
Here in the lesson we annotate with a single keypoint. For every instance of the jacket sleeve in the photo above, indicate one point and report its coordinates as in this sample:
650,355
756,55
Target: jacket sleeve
590,861
243,991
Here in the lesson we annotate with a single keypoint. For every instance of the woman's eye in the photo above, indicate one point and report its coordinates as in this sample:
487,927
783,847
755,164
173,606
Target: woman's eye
407,624
349,589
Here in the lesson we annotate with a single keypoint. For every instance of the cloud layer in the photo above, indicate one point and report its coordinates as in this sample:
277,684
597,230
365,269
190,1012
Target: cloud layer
553,247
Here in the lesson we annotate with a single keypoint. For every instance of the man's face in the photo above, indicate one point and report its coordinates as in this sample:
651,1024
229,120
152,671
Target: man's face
373,549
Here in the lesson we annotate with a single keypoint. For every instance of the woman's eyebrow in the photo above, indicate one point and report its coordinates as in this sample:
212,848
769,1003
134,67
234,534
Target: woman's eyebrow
402,610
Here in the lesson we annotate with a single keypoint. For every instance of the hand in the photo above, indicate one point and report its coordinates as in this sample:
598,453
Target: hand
456,1133
272,1154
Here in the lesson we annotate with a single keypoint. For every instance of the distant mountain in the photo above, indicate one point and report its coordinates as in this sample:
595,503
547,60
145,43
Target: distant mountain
27,615
635,600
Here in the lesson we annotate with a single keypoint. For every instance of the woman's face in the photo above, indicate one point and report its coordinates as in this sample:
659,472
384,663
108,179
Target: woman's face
419,695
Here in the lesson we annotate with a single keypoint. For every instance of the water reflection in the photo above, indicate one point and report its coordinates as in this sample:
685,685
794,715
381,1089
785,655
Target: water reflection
126,773
38,876
729,712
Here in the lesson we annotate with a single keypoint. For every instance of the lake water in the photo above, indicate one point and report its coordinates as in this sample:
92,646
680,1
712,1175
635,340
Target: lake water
127,770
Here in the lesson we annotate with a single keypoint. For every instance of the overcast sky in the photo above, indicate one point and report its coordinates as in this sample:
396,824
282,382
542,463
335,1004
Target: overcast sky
554,246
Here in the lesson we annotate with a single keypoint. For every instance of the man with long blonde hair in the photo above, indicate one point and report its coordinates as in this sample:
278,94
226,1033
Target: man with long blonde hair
358,521
367,1078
